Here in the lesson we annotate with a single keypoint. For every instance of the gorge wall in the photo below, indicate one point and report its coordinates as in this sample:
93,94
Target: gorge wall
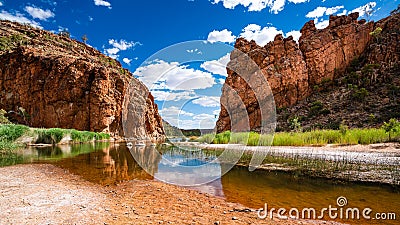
64,83
293,69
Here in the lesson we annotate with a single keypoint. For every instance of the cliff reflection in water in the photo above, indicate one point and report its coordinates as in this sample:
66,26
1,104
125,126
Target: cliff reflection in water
109,163
112,164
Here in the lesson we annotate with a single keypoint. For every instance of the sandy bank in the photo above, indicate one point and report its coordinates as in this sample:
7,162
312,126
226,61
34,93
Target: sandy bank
45,194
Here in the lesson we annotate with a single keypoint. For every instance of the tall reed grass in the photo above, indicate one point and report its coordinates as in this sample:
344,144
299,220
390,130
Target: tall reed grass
9,133
316,137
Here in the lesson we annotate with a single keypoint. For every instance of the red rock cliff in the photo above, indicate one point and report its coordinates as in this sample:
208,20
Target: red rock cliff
64,83
293,69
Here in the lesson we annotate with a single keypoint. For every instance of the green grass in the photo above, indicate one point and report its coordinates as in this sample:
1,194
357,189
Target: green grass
55,135
8,134
316,137
87,136
11,132
50,136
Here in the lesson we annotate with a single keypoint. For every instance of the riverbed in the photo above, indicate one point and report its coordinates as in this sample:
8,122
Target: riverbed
109,180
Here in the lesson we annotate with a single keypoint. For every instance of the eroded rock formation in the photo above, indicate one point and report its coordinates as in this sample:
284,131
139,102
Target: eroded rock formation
294,69
64,83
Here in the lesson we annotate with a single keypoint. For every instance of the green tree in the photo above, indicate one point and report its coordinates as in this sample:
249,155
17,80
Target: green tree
295,124
393,126
84,38
376,33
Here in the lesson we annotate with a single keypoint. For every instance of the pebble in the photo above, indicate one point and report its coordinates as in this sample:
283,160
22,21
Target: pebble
234,218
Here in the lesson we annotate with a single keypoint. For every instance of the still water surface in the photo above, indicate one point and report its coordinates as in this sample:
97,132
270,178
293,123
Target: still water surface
108,163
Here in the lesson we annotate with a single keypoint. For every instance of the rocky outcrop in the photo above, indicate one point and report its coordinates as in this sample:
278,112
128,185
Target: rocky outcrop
293,69
64,83
331,50
385,48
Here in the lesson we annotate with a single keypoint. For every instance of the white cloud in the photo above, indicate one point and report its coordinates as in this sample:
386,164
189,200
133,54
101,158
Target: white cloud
173,95
174,111
205,121
252,5
217,111
217,66
367,8
295,34
102,3
18,17
298,1
117,46
173,76
203,116
207,101
275,6
122,44
266,34
221,36
195,51
321,11
173,115
318,12
221,81
1,4
344,12
333,10
127,61
39,13
187,120
321,24
261,36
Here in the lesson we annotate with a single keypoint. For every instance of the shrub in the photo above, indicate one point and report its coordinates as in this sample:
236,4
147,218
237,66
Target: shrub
360,94
391,127
82,136
376,33
9,42
316,108
49,136
208,138
343,128
295,124
11,132
3,118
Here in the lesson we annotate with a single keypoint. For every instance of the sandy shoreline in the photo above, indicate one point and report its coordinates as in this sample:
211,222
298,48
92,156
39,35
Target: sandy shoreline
46,194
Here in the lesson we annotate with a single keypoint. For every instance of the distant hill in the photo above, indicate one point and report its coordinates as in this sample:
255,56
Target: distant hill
173,131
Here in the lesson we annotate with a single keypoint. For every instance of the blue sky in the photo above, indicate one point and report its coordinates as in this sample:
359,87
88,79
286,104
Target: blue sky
189,82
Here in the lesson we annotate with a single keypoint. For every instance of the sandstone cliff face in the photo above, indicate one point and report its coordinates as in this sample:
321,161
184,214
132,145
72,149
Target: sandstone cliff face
292,69
64,83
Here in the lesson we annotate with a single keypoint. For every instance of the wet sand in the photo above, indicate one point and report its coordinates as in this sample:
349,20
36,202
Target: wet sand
46,194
